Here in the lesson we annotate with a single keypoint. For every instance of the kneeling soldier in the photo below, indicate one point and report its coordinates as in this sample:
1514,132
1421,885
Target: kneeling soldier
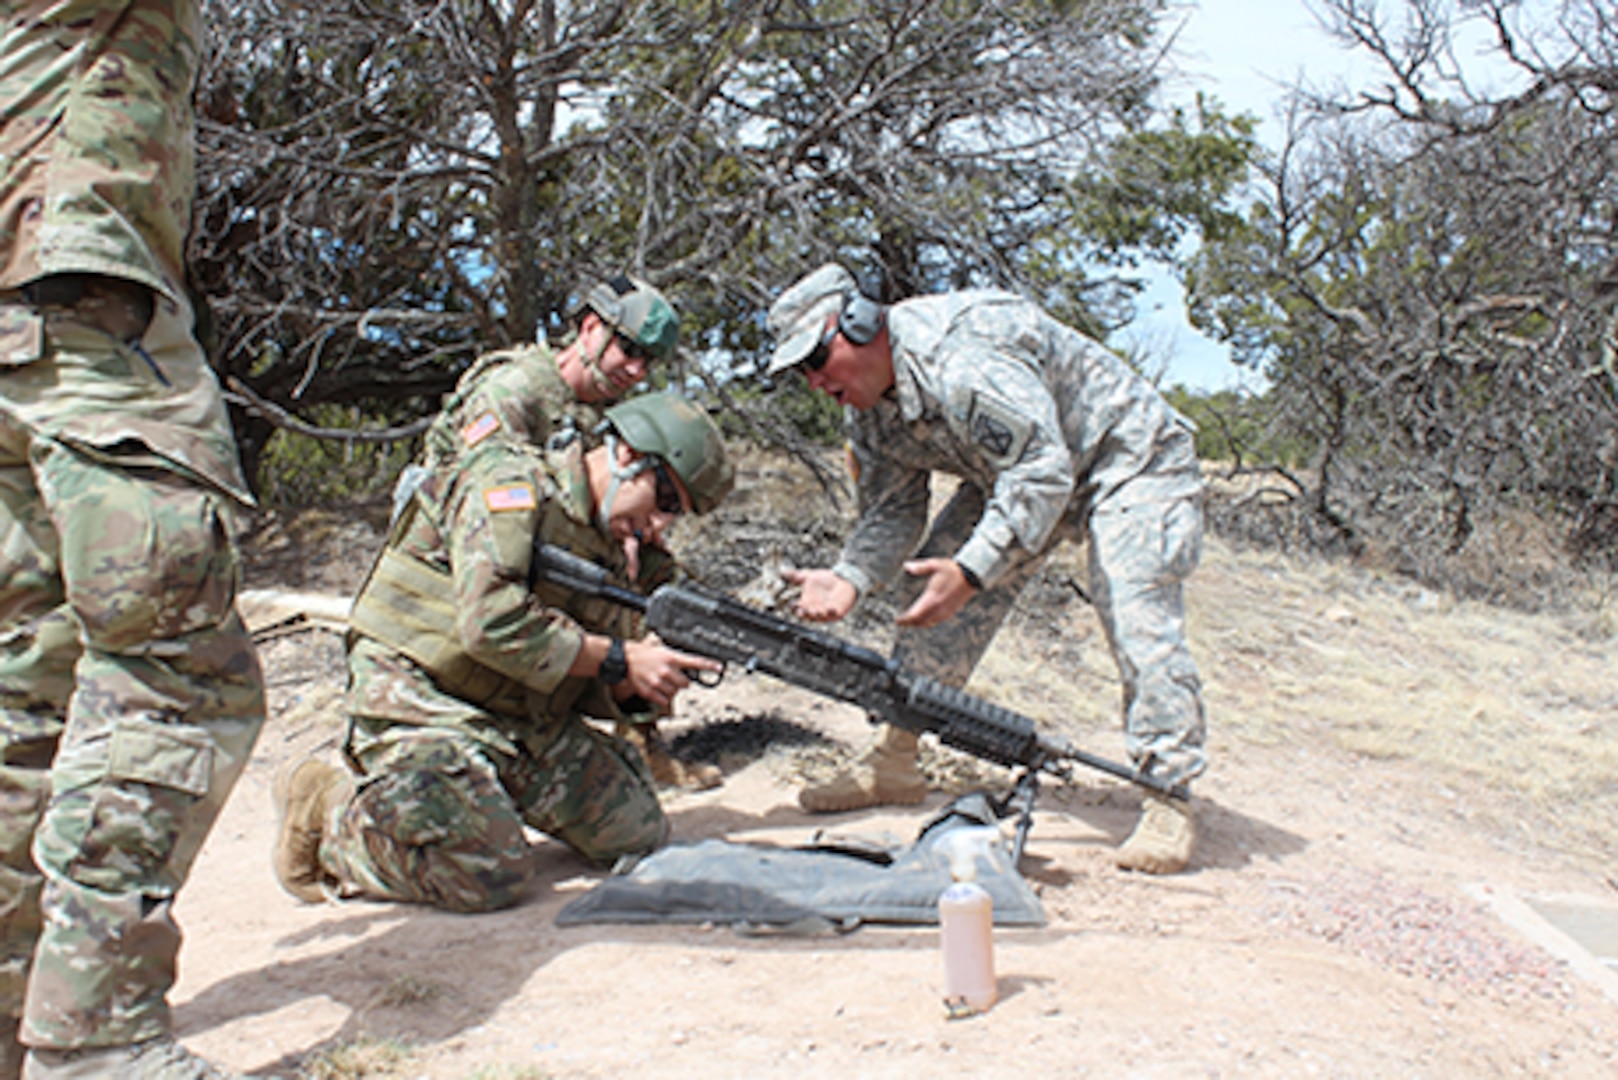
470,684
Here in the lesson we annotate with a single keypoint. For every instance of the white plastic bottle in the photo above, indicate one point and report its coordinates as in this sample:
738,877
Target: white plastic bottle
966,929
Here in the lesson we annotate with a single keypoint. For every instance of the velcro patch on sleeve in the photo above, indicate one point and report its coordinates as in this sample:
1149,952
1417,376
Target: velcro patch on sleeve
479,429
999,432
510,497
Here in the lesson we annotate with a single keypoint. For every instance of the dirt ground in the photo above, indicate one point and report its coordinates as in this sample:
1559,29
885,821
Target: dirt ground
1394,777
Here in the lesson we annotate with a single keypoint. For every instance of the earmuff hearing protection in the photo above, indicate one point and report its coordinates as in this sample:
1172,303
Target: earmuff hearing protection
861,319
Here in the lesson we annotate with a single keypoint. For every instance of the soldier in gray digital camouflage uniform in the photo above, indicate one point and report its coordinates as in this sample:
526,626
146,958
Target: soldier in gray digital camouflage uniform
469,682
130,695
1052,436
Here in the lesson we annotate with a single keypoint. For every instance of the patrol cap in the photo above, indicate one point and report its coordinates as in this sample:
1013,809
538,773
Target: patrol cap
638,312
677,430
797,320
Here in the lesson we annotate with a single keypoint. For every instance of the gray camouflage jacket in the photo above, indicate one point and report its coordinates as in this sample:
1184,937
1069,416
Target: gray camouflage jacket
1047,422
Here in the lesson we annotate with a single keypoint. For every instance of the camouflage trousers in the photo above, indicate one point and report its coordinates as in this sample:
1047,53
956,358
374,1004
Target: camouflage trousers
438,816
130,698
1140,555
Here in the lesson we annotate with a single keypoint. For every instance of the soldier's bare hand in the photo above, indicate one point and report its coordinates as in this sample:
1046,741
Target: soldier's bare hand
657,672
822,596
631,545
947,592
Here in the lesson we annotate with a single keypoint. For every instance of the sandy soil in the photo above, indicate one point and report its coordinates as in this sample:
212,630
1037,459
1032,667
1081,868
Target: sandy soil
1353,911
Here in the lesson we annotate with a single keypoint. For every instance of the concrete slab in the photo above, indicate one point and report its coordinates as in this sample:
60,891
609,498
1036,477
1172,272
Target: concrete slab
1579,929
1592,922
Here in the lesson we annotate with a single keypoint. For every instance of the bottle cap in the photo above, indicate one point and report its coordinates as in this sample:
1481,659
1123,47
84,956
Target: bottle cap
963,846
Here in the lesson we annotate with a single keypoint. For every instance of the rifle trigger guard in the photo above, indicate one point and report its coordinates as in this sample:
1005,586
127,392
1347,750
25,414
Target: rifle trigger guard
709,679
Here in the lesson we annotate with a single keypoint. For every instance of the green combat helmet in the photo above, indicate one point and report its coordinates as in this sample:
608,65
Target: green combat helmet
638,312
673,428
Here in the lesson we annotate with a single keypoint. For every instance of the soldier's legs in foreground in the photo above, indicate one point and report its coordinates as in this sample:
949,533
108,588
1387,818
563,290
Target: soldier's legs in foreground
39,643
886,774
166,705
429,823
591,791
439,821
1139,559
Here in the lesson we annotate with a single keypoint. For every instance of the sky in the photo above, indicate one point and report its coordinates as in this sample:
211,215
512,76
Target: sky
1243,52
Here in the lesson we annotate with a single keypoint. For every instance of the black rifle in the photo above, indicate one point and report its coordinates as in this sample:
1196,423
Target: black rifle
724,629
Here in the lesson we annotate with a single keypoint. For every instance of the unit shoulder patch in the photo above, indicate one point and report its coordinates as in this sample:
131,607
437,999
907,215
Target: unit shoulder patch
996,430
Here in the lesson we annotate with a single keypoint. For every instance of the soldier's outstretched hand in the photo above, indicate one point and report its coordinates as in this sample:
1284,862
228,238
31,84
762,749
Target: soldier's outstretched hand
822,596
947,592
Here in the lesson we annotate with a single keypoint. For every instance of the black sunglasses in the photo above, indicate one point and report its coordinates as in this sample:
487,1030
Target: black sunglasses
668,499
822,351
633,349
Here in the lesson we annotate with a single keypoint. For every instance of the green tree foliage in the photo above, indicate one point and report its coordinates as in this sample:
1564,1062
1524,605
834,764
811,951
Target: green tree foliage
1151,193
1157,186
1237,431
305,470
387,190
1426,283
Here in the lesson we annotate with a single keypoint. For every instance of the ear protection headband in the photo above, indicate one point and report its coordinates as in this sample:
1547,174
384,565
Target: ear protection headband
861,318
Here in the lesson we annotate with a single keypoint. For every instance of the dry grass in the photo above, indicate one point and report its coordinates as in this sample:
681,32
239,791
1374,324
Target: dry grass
508,1072
405,990
363,1059
1515,708
1509,710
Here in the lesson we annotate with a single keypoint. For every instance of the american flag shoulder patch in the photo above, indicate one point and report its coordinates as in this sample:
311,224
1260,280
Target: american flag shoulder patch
510,497
481,428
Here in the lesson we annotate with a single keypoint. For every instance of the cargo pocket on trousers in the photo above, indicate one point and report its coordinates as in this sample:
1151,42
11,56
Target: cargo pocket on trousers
156,774
1182,538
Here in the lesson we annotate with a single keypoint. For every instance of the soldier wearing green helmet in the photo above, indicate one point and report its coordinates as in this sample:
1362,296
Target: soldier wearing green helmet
534,394
638,313
470,685
675,430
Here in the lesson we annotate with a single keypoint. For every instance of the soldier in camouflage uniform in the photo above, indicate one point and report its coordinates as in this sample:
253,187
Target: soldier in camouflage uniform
469,682
1052,436
532,396
130,695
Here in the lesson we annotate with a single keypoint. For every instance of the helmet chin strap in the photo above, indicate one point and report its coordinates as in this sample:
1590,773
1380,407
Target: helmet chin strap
592,362
618,473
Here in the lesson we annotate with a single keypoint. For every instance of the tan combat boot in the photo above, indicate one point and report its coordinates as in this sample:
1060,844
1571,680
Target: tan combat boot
885,775
666,769
304,795
157,1059
1163,838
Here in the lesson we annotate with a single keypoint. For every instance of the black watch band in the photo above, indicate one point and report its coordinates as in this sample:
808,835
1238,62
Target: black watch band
615,666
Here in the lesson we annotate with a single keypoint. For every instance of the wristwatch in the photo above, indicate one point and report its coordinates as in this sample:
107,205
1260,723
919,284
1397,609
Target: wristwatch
615,667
